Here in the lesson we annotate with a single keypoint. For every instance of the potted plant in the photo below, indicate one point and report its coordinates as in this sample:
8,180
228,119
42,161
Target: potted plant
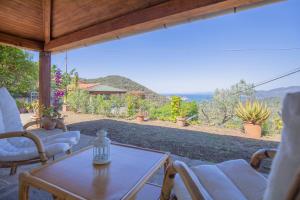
50,116
142,107
253,115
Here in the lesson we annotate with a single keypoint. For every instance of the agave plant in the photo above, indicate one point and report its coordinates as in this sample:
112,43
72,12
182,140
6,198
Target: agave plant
253,112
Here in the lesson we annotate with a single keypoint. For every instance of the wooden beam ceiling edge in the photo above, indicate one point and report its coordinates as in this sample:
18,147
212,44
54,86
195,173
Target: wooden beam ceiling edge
47,4
15,41
157,16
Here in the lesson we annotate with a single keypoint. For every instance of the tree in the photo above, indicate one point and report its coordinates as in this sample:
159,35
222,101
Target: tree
221,108
18,73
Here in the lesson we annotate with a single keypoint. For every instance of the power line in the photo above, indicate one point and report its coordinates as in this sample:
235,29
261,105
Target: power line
294,71
264,49
278,77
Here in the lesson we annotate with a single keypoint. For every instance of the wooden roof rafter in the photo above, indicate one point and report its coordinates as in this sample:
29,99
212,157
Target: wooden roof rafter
55,25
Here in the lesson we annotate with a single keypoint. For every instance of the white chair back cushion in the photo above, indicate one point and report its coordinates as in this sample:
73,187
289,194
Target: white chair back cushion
2,128
10,112
287,159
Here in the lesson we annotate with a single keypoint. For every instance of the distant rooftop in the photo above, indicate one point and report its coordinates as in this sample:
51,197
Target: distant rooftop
86,85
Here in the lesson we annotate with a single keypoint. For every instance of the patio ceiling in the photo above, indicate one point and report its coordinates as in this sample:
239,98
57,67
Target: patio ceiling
57,25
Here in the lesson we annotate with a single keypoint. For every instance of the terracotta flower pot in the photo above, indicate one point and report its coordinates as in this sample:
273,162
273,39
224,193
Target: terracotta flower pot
65,108
48,123
252,130
140,118
181,121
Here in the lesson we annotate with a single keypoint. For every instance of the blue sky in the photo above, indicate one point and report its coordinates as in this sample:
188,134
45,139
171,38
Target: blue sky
196,57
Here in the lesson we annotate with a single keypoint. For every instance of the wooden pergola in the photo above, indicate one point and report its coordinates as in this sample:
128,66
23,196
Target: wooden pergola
56,25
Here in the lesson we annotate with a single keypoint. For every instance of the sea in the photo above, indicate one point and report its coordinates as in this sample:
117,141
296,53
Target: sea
198,97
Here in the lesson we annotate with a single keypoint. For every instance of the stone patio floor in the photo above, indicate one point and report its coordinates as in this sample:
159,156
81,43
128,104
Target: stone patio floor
9,184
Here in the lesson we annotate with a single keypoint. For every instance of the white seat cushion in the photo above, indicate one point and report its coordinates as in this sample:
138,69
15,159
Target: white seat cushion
49,137
70,137
10,112
230,180
9,152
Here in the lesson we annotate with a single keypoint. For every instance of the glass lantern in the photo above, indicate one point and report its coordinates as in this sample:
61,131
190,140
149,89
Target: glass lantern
101,148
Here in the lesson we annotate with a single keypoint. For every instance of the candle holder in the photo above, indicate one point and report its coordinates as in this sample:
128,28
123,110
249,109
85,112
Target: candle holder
101,148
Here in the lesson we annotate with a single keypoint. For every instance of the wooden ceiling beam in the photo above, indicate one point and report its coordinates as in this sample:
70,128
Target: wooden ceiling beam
47,4
11,40
157,16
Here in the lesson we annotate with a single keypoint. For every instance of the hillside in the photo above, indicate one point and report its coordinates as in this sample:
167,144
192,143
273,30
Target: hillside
127,84
277,92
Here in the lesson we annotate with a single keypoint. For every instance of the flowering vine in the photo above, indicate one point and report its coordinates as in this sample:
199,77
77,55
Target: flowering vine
59,92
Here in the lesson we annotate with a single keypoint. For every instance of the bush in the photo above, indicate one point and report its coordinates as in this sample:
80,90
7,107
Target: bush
188,109
163,113
170,111
78,100
132,105
23,106
274,124
116,104
175,107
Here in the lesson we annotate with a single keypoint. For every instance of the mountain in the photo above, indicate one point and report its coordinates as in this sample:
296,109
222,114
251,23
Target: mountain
127,84
277,92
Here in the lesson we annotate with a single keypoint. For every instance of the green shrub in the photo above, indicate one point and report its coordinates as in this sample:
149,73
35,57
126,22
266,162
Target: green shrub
175,107
78,100
188,109
117,104
234,123
132,105
161,113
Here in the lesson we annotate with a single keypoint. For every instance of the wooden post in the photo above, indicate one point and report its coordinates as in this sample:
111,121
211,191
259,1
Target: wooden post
45,78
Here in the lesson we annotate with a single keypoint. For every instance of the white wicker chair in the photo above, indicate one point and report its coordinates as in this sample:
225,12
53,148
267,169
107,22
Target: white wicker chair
19,147
238,180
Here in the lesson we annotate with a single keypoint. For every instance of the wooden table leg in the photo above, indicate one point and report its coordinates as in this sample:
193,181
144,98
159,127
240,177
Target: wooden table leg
23,186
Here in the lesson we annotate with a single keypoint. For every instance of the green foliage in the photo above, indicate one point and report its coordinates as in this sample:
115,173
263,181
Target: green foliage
18,73
221,109
81,101
253,112
163,113
278,124
23,106
188,109
50,112
175,107
78,100
132,103
170,111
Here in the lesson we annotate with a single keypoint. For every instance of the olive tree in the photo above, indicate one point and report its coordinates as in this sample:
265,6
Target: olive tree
221,108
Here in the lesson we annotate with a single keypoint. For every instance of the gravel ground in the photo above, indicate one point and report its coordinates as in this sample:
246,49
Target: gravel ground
191,142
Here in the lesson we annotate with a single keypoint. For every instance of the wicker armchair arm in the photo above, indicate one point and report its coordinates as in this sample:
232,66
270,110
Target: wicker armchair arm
60,124
37,141
261,154
32,123
188,179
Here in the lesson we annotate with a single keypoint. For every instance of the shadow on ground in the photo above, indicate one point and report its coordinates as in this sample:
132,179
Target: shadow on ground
193,144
